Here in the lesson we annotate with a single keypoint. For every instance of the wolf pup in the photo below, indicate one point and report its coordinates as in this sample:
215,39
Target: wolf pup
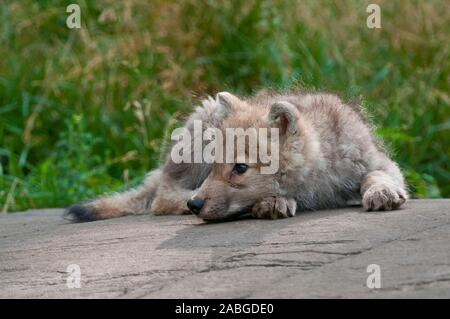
328,158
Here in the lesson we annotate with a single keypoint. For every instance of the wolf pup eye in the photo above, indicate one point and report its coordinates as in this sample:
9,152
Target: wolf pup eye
240,168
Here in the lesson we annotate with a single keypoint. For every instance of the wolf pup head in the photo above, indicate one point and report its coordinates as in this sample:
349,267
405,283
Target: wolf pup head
259,142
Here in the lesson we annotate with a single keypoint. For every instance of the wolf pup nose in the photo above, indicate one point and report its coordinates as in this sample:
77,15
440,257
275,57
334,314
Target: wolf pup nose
195,205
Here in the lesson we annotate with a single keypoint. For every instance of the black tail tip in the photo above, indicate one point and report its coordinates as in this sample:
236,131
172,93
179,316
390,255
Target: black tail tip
80,213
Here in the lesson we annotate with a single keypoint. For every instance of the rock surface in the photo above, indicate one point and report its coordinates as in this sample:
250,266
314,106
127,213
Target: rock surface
315,255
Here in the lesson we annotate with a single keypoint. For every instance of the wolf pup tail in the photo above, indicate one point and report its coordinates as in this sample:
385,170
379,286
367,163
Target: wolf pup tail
131,202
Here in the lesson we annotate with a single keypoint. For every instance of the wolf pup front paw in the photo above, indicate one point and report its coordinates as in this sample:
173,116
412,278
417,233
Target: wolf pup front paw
381,197
274,207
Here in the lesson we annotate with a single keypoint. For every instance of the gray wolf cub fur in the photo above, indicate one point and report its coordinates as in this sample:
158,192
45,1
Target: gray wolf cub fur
328,158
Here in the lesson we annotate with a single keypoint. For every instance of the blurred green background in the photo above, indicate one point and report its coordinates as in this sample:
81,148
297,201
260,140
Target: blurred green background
85,111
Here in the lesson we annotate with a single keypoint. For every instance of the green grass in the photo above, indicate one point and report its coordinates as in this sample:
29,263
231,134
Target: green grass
85,111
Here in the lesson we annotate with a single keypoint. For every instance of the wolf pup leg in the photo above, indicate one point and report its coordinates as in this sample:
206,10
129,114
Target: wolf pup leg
274,207
170,198
383,189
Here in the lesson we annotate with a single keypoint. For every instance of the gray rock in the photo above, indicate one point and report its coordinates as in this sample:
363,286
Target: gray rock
315,255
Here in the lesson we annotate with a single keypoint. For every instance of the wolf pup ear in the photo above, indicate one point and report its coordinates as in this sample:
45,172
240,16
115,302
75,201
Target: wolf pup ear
226,101
284,115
